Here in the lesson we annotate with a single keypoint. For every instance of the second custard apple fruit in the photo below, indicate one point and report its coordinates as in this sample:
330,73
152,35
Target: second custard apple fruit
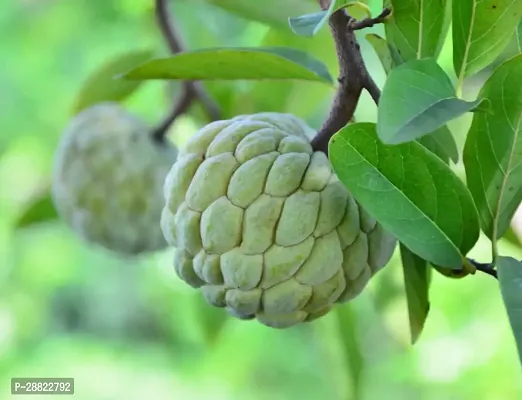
108,179
263,226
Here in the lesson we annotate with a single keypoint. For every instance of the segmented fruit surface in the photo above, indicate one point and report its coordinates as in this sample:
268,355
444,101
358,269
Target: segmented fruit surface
263,226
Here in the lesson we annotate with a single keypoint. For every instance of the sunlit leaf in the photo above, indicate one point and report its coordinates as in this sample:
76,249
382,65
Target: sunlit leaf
519,37
417,28
235,63
481,31
441,142
310,24
417,99
417,274
101,86
510,279
41,209
493,150
274,13
410,191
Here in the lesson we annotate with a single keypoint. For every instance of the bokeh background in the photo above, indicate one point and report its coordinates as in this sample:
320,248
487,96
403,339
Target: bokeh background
130,329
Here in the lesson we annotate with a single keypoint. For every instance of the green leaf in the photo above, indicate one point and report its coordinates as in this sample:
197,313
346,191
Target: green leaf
380,46
410,191
269,12
417,99
510,280
519,37
235,63
417,275
347,323
446,142
493,150
428,142
481,32
310,24
101,86
41,209
417,28
441,142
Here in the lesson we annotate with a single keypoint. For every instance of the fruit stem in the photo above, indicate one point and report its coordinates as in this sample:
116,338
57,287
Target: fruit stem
192,91
353,74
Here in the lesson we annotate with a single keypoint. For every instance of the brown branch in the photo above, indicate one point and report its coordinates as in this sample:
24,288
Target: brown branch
192,91
487,268
369,22
353,74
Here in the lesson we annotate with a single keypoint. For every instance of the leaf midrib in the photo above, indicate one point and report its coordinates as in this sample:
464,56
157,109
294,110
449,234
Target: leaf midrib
407,198
468,41
498,210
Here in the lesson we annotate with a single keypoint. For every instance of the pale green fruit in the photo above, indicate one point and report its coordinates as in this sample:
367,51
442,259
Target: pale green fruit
263,226
108,180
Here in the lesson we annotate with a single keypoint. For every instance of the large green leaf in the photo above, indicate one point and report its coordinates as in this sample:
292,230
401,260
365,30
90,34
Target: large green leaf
101,86
441,142
310,24
41,209
274,13
235,63
417,99
417,274
510,279
410,191
493,149
481,31
417,28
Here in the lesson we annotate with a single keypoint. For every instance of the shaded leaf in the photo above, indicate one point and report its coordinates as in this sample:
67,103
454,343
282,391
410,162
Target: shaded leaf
510,280
235,63
417,99
274,13
101,86
428,142
410,191
41,209
493,150
481,32
446,142
417,28
310,24
380,46
347,323
417,274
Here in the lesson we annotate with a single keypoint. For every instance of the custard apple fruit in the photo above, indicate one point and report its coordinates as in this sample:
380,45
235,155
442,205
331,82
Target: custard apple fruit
108,180
263,226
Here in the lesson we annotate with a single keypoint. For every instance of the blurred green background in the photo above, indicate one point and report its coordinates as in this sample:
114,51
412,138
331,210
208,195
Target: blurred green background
130,329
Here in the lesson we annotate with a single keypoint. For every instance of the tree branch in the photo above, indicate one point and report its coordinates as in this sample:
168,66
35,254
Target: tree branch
487,268
192,91
353,74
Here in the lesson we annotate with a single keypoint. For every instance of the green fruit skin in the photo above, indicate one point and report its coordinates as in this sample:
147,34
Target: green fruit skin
262,225
108,178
